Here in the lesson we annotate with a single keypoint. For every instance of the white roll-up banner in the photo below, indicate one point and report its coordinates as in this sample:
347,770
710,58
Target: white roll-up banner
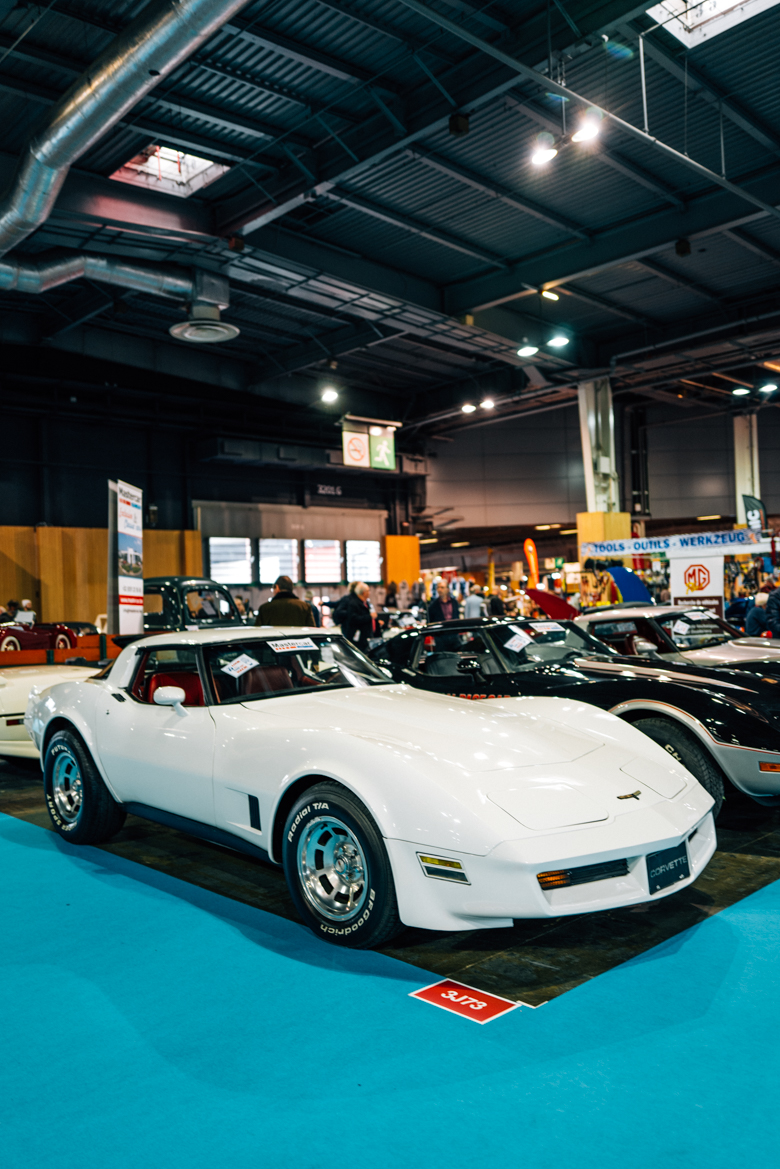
130,557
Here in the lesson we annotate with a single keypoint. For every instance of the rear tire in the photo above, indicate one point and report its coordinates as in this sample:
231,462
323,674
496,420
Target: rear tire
686,749
62,642
337,869
80,805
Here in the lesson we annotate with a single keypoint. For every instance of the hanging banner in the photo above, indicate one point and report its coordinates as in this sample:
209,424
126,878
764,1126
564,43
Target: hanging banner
697,581
683,545
755,513
532,557
130,557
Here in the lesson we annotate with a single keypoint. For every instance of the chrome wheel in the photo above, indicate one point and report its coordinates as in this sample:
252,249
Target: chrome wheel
67,786
332,869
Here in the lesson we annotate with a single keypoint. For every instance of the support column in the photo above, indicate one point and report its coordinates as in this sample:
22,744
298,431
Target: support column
746,470
597,433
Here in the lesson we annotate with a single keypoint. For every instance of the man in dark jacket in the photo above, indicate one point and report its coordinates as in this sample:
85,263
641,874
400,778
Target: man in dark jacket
284,608
357,624
444,607
773,612
496,605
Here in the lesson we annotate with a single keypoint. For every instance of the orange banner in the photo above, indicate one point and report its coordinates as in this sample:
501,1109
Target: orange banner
532,557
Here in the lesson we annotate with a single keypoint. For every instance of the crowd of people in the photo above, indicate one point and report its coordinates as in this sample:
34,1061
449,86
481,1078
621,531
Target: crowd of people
23,614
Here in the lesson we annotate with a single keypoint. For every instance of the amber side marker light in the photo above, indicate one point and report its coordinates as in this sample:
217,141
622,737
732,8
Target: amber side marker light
554,880
769,767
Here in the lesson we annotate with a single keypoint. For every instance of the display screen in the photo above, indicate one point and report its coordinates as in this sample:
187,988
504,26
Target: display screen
278,558
230,560
364,560
322,561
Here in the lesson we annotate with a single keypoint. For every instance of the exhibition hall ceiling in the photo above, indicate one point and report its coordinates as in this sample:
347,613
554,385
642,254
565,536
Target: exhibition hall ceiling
402,195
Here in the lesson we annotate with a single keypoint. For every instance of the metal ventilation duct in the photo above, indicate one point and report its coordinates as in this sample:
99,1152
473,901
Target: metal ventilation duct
153,45
205,292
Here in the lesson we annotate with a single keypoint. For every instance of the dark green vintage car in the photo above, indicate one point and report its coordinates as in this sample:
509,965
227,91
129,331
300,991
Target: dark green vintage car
187,602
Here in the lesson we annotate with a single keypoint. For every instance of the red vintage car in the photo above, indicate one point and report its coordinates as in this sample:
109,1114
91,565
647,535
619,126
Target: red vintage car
14,635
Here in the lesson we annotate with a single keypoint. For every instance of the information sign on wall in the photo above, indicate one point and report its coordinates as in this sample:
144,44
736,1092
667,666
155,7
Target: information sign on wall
369,445
130,557
364,560
697,580
322,561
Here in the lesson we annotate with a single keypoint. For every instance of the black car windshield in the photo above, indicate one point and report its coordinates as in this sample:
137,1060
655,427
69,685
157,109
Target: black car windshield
208,604
240,671
524,645
696,629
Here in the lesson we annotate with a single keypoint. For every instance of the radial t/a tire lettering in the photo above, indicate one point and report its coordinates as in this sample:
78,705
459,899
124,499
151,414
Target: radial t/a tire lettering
684,747
80,805
337,869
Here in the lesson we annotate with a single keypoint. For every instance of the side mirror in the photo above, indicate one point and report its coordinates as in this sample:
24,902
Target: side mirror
171,696
469,666
644,648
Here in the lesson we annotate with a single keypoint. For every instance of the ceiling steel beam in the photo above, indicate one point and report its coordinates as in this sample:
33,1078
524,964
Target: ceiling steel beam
496,191
607,305
706,214
416,226
376,24
328,345
611,158
679,281
699,84
549,85
472,84
757,247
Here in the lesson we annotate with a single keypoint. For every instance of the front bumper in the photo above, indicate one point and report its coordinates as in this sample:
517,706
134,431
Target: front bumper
503,885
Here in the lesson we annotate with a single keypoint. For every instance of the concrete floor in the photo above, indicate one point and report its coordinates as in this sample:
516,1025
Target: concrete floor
533,962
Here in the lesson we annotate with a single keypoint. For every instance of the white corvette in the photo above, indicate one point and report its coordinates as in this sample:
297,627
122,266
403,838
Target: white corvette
386,806
16,682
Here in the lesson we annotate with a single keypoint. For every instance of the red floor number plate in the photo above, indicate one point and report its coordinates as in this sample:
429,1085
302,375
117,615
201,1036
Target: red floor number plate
464,1000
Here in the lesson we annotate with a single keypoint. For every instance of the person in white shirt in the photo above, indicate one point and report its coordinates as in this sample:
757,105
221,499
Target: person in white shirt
26,615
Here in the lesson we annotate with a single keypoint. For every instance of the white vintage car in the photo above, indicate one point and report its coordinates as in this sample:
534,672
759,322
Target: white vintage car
386,806
16,683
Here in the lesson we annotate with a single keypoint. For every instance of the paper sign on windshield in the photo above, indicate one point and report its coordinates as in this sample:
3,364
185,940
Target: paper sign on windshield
547,627
240,665
681,627
517,642
291,645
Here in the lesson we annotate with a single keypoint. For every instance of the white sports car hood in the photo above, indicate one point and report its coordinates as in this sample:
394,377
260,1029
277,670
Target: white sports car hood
457,733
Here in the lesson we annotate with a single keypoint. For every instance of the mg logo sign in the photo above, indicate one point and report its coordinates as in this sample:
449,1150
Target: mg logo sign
696,578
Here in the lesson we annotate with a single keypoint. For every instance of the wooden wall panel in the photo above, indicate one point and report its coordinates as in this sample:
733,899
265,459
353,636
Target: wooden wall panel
18,565
63,570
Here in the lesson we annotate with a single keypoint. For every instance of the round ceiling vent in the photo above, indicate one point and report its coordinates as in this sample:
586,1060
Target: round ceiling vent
204,327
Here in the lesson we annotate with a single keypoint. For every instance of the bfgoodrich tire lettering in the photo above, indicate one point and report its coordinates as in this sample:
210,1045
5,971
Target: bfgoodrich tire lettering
80,805
337,869
684,747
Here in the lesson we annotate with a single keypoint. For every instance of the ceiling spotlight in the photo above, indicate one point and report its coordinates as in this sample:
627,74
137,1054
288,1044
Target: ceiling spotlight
468,408
527,350
590,126
558,341
330,395
544,149
487,404
769,388
550,295
740,392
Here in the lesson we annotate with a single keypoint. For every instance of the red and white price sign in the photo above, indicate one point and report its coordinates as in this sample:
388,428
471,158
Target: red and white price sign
465,1000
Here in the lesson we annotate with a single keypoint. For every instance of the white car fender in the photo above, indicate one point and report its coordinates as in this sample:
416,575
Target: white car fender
75,703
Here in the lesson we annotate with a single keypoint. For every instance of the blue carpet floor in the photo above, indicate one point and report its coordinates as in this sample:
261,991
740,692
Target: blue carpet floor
147,1023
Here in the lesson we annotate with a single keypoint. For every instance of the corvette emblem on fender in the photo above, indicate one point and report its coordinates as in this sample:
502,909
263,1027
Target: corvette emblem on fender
630,796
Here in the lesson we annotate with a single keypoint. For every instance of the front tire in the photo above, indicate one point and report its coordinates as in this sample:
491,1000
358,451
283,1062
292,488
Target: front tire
80,805
62,642
11,644
685,748
337,869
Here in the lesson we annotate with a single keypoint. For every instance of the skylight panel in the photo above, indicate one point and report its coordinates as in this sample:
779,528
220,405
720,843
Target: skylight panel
162,169
695,23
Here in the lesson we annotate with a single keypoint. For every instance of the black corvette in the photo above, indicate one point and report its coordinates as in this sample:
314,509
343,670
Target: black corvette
718,722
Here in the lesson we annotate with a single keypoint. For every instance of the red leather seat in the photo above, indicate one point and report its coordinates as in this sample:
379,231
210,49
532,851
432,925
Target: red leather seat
189,683
265,680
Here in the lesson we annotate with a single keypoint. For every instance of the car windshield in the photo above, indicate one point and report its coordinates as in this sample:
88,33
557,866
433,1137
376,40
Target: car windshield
206,604
696,628
524,645
243,670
